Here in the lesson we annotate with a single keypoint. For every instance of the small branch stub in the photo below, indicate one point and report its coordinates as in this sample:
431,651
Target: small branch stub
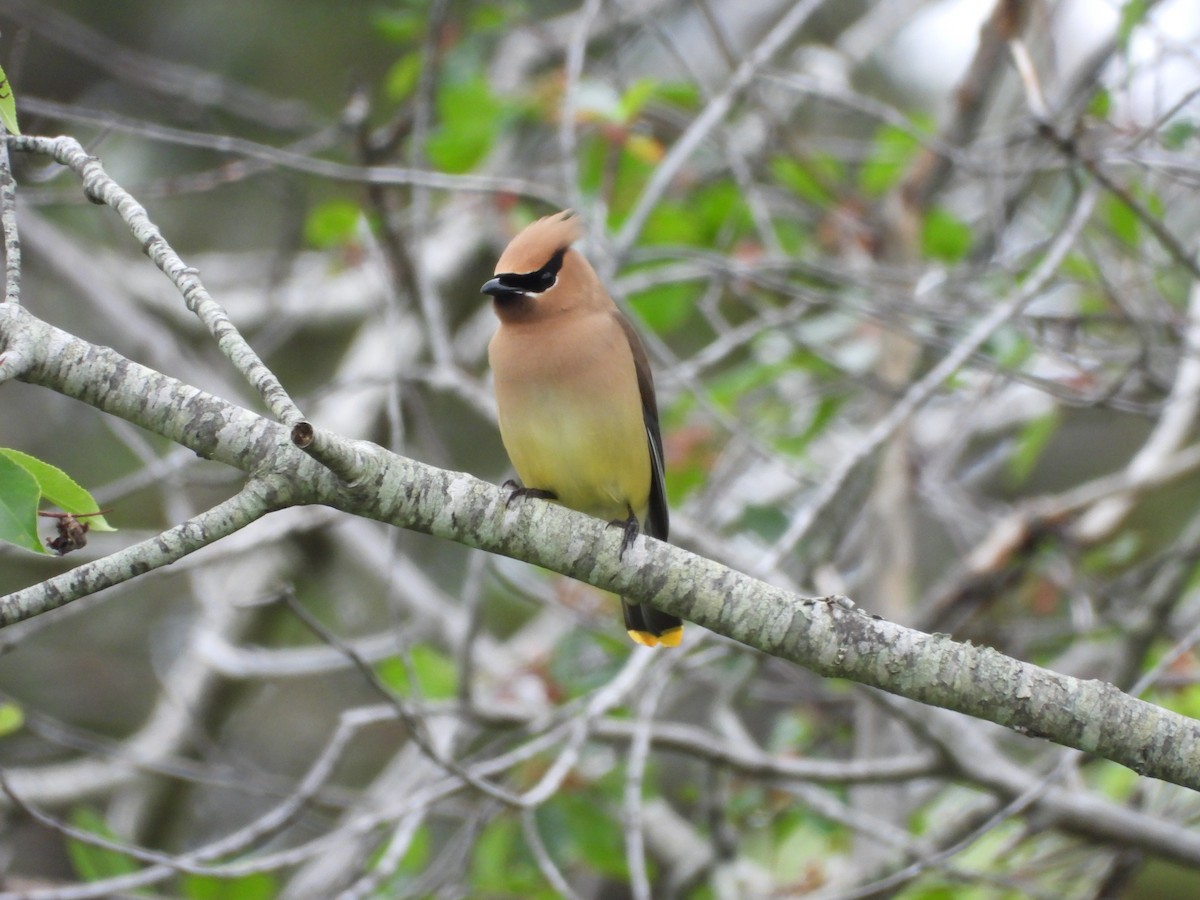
302,434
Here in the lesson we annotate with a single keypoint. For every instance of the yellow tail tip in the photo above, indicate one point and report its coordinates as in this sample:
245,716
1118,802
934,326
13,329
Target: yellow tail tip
670,638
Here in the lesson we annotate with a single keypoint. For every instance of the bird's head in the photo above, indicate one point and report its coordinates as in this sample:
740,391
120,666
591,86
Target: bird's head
538,272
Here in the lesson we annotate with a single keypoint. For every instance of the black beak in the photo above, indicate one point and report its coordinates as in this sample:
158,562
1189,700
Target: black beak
495,288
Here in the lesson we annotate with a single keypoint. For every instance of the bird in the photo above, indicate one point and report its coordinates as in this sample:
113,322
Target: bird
575,396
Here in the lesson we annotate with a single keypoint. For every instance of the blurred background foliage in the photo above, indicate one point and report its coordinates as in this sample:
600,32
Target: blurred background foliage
344,176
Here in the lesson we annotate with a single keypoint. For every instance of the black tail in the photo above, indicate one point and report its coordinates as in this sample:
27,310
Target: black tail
650,627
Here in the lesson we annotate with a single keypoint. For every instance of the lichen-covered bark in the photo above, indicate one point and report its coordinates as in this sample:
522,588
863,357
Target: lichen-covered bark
831,636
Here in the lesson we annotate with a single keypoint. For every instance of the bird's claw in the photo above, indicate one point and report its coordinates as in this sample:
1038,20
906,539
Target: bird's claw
519,491
632,530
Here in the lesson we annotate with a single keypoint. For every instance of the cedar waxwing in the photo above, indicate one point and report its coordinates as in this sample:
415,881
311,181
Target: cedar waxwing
575,395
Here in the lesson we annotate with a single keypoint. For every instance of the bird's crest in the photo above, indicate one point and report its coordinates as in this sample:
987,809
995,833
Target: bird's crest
538,241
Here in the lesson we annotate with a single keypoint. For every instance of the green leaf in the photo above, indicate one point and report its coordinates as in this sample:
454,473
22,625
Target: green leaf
59,488
8,106
672,223
488,17
1178,133
1100,104
395,881
1123,221
399,26
721,210
665,307
458,152
436,674
94,863
944,236
470,116
1132,14
1154,205
584,660
731,388
1114,781
500,866
812,180
1081,267
1184,700
12,717
893,149
19,498
641,92
767,522
256,886
1117,553
1030,444
824,413
1010,348
682,94
401,79
575,828
332,224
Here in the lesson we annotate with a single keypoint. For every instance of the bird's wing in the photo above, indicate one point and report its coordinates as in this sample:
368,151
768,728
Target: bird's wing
657,520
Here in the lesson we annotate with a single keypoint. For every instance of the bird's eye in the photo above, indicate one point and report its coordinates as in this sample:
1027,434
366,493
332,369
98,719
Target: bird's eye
536,282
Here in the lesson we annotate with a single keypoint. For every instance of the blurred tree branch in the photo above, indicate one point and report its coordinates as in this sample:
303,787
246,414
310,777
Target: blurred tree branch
984,326
827,635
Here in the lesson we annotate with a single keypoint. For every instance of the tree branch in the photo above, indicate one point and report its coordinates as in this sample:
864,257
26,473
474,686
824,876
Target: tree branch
829,637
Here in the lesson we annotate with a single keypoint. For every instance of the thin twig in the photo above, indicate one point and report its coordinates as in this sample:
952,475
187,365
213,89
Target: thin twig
923,390
714,111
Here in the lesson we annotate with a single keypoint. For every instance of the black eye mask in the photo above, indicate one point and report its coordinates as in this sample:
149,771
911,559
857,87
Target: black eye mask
534,282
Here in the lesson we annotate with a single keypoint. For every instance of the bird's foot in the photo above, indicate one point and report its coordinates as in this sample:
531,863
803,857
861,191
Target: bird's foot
632,529
520,491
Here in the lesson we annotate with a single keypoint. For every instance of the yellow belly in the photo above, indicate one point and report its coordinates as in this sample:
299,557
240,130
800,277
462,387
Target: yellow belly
595,460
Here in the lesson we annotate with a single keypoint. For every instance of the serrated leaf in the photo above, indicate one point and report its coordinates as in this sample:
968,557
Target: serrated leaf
8,105
59,488
19,498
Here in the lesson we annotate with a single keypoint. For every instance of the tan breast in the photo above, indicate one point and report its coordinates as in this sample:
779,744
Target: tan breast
570,412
